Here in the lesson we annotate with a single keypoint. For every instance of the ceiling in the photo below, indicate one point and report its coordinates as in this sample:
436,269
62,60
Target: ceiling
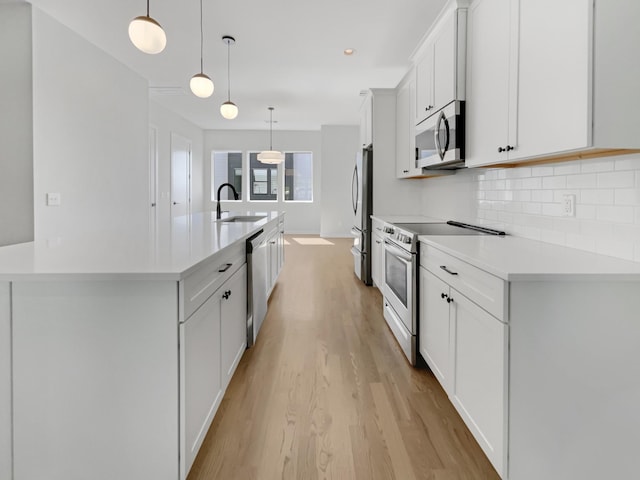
288,53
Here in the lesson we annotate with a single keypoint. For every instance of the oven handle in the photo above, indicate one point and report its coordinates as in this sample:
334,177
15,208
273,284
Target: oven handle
401,254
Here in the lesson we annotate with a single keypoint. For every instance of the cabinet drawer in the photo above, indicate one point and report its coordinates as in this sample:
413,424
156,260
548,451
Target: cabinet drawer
200,285
486,290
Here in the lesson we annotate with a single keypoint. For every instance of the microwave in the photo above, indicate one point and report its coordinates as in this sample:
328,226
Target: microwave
440,139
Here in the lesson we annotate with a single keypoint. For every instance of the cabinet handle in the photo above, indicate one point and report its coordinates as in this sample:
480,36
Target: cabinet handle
225,267
405,171
444,295
449,300
226,294
444,267
378,242
500,149
509,148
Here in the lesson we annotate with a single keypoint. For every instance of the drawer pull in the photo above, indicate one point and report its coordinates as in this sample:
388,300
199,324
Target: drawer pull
225,267
226,294
444,267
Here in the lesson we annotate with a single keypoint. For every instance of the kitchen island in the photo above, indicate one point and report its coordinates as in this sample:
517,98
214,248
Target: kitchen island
115,351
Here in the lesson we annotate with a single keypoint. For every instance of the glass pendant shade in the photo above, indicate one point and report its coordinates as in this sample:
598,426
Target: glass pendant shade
147,35
201,85
229,110
272,157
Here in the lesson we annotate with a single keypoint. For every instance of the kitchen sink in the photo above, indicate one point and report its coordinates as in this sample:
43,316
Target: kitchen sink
242,218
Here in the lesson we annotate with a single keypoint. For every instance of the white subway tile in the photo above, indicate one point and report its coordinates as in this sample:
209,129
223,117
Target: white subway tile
541,171
499,184
491,174
584,180
522,195
532,208
533,183
601,196
552,209
542,195
595,229
627,196
502,174
623,179
554,182
619,214
513,207
593,166
567,224
585,212
631,162
540,221
567,169
615,248
505,217
490,215
627,231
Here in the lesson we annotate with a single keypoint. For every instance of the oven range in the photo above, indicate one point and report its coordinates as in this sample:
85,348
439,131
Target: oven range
400,287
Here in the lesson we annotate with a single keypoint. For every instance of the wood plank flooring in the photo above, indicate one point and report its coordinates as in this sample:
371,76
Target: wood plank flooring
326,392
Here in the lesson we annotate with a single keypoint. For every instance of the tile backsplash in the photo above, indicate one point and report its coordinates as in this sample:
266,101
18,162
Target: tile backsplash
528,202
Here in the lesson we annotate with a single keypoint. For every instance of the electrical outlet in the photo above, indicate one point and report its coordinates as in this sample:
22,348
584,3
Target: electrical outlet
568,205
53,199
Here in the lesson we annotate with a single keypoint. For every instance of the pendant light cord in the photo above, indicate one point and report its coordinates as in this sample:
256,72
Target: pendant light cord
228,70
271,128
201,38
147,8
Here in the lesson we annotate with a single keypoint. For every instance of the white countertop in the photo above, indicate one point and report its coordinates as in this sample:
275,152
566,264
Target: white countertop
519,259
171,256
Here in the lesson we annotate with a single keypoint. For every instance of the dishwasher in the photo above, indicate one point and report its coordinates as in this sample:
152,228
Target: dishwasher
256,284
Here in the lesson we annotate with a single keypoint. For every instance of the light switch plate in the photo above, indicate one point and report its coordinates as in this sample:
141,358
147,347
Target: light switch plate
53,199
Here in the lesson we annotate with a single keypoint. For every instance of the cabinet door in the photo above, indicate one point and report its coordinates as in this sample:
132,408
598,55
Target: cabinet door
273,260
233,320
479,343
434,338
201,379
405,132
553,92
444,63
424,85
488,81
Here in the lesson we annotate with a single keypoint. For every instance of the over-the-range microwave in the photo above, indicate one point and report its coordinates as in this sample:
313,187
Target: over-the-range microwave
440,138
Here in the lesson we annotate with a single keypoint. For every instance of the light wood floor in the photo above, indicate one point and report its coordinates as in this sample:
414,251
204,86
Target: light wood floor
326,392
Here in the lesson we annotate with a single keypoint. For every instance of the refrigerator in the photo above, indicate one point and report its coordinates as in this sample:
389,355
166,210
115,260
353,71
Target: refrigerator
362,207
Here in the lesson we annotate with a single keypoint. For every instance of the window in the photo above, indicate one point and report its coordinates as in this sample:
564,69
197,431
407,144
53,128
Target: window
226,167
298,177
263,178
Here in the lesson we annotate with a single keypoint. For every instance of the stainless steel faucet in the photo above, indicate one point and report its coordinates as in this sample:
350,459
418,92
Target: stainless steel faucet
218,208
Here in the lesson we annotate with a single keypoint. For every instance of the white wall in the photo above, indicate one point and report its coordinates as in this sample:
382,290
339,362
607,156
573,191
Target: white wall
300,217
339,147
90,129
526,201
167,122
16,132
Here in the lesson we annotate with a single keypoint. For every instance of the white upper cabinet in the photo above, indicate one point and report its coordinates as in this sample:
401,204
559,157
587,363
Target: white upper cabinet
541,85
439,63
405,130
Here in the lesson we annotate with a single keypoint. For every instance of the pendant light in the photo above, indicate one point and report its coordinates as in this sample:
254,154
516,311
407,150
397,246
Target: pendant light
228,109
147,34
201,85
271,156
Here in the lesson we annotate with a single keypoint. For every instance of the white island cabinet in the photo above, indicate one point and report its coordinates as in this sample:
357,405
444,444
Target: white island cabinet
536,346
115,353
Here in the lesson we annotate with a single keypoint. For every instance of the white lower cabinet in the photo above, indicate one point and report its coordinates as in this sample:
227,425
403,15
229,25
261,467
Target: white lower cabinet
213,340
466,347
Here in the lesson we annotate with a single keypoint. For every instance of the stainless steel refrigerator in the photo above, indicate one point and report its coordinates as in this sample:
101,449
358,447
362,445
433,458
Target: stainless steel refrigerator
362,207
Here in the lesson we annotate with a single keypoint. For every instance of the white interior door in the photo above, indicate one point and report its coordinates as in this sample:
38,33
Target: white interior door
180,175
153,179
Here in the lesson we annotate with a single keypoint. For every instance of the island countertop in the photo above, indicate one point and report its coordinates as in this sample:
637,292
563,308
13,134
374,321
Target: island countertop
169,256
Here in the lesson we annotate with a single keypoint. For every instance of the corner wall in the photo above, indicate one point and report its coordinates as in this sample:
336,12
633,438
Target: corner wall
90,131
16,125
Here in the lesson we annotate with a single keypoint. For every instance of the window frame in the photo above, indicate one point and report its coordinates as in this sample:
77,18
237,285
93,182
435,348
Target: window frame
284,177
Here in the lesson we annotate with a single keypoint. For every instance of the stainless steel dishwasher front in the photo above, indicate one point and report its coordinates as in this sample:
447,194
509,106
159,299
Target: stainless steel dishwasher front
256,284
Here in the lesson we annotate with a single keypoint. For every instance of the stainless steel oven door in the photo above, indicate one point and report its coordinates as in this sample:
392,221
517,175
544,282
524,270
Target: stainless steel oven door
400,283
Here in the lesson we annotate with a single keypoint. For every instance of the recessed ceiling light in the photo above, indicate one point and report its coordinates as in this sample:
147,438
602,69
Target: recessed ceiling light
349,51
